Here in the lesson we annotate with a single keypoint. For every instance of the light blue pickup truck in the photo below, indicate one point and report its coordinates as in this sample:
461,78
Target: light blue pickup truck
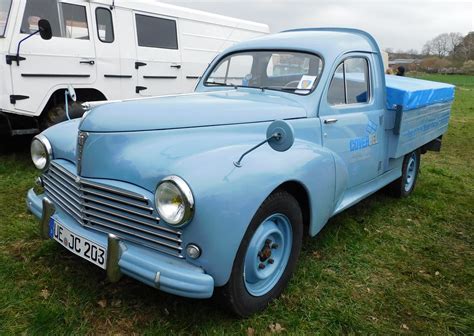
212,192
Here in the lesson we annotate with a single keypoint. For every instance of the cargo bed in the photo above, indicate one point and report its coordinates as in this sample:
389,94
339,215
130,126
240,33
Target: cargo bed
418,112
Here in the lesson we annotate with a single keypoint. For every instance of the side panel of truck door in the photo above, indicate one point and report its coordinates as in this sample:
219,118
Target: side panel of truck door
351,119
109,74
67,59
158,55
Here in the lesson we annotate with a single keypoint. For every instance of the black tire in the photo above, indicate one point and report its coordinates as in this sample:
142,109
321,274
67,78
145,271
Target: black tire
57,114
234,295
400,187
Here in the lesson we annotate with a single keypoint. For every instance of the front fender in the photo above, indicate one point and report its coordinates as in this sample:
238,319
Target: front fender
228,197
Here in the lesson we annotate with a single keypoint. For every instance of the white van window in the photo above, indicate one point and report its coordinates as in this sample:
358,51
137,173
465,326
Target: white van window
156,32
75,21
105,25
4,11
73,24
36,10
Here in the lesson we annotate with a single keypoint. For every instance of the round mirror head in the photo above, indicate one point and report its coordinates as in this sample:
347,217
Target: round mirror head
282,135
45,29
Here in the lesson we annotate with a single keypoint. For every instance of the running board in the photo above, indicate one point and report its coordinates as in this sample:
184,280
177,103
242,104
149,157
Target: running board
358,193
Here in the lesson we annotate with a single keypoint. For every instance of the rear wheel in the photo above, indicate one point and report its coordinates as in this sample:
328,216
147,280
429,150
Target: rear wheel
404,186
266,257
57,114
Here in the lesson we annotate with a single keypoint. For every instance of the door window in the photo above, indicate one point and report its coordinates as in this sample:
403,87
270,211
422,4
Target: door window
154,32
105,25
73,23
4,12
350,83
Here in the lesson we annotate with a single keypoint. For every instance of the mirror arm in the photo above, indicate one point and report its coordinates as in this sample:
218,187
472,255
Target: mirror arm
19,45
276,136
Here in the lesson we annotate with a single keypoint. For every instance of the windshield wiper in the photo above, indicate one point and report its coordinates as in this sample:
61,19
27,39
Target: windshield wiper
221,84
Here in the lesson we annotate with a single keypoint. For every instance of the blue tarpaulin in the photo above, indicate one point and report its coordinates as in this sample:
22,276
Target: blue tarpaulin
412,93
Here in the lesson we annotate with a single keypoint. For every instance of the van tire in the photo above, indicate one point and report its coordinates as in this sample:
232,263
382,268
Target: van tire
57,114
405,184
236,295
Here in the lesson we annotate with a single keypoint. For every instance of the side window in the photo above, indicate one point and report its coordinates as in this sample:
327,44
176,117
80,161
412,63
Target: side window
156,32
67,20
336,93
105,25
350,83
36,10
75,21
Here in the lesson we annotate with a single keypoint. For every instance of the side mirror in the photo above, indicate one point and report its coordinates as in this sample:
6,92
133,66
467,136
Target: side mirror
45,30
280,137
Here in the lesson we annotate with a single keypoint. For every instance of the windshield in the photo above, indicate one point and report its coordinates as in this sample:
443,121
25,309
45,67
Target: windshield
4,11
288,71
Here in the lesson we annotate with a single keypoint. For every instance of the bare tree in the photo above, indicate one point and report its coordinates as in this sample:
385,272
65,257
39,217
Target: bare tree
443,45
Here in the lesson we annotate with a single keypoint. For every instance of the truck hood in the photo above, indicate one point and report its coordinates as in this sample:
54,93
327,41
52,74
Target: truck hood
191,110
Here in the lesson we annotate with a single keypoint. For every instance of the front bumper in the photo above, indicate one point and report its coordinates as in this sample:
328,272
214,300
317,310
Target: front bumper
164,272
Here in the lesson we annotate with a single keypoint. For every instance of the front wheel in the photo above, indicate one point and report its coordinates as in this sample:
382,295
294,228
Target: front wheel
404,186
266,257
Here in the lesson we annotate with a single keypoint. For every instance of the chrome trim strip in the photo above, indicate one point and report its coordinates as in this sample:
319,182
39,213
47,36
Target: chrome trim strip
64,177
112,198
63,170
101,223
75,198
57,179
66,207
138,241
115,191
118,222
63,196
133,212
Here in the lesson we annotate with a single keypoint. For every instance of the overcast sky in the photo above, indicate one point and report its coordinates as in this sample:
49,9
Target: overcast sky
397,24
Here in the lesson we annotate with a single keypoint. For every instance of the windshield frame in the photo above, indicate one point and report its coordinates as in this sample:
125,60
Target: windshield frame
219,60
2,33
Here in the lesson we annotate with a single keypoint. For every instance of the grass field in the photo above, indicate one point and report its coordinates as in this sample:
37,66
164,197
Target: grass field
385,266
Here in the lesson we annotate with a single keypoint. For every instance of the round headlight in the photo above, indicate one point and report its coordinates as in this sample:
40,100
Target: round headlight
41,152
174,201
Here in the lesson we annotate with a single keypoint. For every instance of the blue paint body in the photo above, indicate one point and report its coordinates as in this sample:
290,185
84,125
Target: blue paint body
133,145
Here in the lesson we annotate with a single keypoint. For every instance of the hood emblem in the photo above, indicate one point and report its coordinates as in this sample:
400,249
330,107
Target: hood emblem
81,140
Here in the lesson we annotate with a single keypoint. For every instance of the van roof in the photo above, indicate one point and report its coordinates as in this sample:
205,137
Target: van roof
152,6
327,42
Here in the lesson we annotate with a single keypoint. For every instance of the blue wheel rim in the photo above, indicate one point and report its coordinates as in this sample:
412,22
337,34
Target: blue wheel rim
268,254
411,172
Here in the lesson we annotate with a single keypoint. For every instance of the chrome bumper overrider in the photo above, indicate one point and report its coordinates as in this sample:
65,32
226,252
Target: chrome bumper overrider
167,273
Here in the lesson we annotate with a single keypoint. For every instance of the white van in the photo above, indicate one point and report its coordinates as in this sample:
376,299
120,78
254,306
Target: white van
104,50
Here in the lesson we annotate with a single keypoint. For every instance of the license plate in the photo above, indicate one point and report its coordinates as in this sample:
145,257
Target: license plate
81,246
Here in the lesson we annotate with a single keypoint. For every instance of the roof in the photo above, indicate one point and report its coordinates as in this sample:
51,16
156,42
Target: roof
153,6
327,42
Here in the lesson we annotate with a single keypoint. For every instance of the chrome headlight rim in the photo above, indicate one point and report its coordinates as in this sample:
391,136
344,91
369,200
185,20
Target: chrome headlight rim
43,140
186,196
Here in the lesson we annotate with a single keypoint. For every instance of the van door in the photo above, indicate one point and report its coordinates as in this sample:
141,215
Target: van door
67,59
110,77
352,119
158,62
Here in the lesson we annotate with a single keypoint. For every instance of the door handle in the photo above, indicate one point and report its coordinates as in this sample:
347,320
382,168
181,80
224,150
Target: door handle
139,64
330,121
91,62
176,66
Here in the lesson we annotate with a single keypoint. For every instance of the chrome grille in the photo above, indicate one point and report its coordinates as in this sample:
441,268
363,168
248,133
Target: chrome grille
108,209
